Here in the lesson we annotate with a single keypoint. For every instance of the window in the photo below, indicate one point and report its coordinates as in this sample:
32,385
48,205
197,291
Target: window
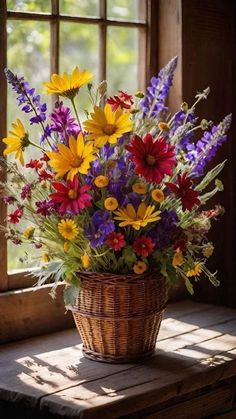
38,37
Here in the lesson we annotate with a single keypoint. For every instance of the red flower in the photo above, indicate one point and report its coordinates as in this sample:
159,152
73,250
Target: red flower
34,164
44,158
44,175
123,100
184,191
153,158
71,196
143,246
15,216
115,240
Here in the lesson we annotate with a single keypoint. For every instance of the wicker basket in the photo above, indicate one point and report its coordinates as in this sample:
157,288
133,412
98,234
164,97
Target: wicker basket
119,316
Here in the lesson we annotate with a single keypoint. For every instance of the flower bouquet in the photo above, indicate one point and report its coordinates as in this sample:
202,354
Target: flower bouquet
113,200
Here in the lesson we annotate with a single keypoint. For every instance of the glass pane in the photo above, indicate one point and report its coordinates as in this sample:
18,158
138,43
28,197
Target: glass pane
79,47
29,5
32,40
79,8
123,9
122,60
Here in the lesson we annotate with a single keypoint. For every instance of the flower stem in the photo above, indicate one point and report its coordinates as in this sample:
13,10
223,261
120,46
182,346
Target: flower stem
76,114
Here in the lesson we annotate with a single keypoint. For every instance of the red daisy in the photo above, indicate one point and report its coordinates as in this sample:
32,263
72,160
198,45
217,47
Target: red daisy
71,196
184,191
153,158
15,216
115,240
123,100
143,246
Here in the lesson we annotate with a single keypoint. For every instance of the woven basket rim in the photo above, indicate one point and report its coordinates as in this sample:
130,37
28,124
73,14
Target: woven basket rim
92,275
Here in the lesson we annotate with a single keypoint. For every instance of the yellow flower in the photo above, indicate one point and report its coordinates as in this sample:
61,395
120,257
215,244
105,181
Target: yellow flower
17,141
163,126
45,258
195,271
66,246
145,214
28,233
177,258
68,85
85,261
207,250
139,267
111,204
68,229
158,195
75,158
101,181
106,125
139,188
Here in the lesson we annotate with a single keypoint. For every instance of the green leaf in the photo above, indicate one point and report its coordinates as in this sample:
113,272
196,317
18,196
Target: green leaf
189,286
214,281
210,176
71,292
129,255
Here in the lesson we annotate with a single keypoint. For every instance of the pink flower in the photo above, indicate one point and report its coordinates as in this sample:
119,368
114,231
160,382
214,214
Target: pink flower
71,196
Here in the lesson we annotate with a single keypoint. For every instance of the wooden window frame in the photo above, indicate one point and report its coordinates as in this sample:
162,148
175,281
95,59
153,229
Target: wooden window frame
147,57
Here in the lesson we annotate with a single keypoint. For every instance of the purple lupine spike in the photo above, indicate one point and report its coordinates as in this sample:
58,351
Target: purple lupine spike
205,148
27,97
154,101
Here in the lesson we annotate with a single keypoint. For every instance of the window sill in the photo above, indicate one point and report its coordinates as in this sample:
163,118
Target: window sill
193,370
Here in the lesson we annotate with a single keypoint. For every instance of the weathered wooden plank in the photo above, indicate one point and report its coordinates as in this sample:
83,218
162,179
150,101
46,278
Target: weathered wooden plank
228,415
165,376
211,403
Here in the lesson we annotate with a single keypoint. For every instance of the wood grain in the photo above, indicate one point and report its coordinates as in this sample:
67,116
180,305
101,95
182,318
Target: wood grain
52,372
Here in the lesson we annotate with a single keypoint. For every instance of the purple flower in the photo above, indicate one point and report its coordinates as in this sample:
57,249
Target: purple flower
154,102
8,199
163,231
63,123
27,97
44,207
100,227
205,148
26,191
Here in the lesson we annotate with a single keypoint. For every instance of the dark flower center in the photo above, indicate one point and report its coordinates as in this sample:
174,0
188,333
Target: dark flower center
109,129
25,141
150,160
77,161
72,194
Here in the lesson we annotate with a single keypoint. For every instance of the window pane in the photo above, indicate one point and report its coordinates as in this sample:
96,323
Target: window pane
79,47
122,59
123,9
79,8
28,55
29,5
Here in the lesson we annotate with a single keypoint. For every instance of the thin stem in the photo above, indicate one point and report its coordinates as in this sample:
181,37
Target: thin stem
76,114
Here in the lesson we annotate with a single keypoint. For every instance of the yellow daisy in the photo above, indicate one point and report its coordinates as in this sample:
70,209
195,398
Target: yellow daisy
17,141
68,229
72,159
68,85
101,181
195,271
111,203
158,195
106,125
140,267
144,215
139,188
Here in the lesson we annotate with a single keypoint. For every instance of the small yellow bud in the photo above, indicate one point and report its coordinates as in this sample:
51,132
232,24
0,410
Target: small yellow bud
85,259
184,107
45,258
66,246
163,126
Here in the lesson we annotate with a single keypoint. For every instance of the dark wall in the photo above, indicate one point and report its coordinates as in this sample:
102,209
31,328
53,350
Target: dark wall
209,59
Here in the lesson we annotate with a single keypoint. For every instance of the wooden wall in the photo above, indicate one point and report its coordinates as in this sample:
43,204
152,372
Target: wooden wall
202,33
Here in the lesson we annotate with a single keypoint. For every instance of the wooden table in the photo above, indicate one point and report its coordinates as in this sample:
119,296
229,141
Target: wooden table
192,374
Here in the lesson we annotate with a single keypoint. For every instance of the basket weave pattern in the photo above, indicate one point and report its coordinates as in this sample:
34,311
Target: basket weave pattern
119,316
